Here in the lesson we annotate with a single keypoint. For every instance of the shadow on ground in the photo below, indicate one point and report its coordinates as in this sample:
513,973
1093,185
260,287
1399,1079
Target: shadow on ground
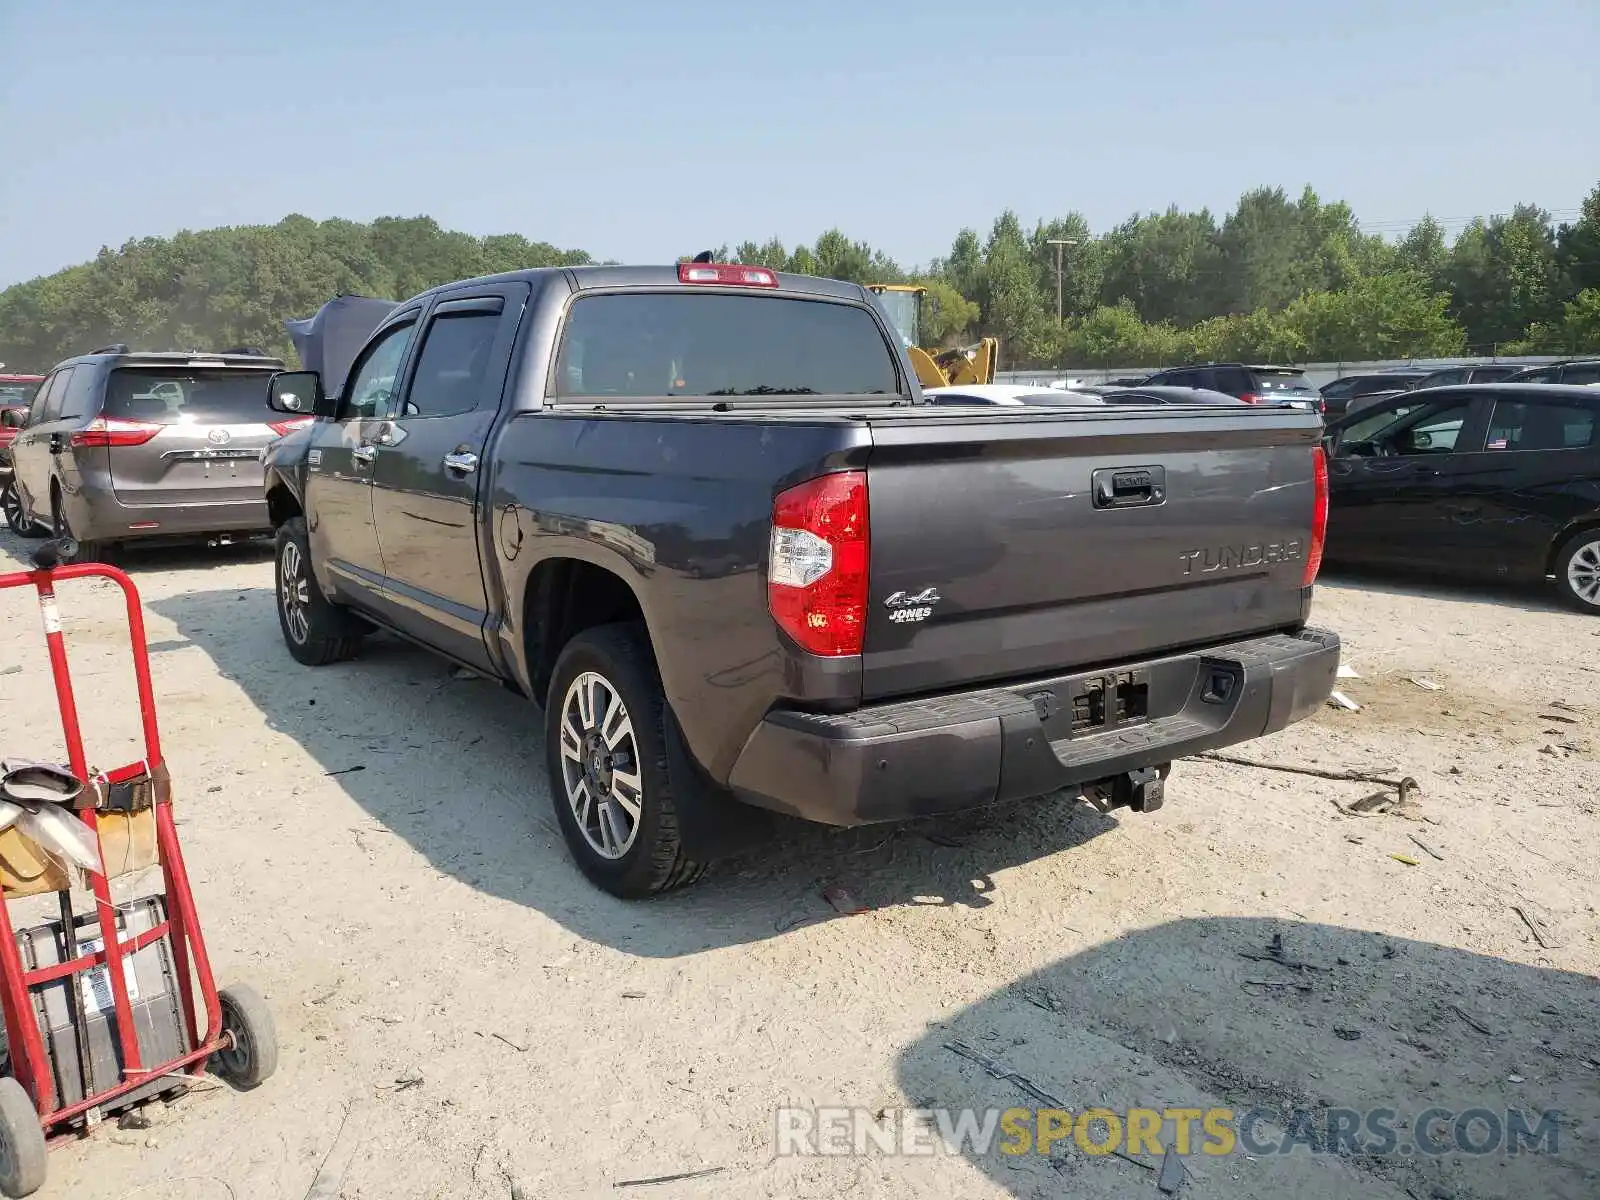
1418,582
455,766
1197,1014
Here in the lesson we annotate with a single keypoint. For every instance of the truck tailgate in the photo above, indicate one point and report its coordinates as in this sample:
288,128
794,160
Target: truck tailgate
1062,540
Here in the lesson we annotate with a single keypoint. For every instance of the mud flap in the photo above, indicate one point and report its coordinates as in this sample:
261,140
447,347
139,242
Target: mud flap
711,823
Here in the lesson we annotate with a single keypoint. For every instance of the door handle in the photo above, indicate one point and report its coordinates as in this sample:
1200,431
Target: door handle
463,462
364,454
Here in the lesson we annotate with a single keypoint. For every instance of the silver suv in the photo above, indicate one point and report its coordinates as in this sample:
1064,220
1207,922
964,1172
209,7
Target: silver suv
121,446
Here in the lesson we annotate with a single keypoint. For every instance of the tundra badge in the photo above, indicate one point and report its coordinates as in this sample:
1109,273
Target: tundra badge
907,608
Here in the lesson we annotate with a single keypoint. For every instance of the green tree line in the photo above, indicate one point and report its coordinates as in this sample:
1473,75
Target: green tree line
1277,278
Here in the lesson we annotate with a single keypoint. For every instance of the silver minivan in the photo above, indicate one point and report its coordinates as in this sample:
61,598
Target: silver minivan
120,446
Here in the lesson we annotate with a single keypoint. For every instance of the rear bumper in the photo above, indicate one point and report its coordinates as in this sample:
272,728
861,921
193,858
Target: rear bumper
947,753
105,518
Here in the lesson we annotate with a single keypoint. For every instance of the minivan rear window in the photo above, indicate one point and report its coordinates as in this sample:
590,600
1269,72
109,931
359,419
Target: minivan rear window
168,397
1282,381
668,345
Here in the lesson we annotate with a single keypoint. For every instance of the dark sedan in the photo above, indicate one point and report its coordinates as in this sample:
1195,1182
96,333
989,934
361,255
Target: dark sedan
1494,480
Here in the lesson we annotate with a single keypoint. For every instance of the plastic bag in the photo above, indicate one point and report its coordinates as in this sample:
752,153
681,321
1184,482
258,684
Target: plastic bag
61,835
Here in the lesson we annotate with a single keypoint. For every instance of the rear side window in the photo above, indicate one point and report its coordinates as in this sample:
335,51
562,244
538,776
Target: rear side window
77,398
1442,379
1541,426
1582,373
161,396
1488,374
667,345
40,409
1543,375
1339,389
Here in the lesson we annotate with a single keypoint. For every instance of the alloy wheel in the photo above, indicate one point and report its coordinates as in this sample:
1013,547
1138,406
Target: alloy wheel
1583,573
294,593
600,765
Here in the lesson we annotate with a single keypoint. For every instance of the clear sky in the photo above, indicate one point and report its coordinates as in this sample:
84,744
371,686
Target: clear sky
641,130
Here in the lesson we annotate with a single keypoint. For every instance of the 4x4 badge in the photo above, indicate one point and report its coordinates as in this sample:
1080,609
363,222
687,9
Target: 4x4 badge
907,608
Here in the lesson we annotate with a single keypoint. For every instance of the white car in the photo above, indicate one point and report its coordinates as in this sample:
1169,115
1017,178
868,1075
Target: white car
1010,395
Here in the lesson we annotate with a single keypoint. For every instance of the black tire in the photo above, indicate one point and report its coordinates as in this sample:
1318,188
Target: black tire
1578,571
317,631
11,500
61,529
24,1160
651,861
253,1057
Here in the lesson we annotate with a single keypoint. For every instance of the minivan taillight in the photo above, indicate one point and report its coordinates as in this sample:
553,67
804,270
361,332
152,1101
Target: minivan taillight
1319,517
817,564
104,431
1251,398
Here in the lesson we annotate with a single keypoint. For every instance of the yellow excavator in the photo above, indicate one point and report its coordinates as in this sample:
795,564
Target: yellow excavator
935,368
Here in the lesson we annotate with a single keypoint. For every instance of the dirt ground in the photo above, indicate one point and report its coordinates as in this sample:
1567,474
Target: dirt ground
462,1015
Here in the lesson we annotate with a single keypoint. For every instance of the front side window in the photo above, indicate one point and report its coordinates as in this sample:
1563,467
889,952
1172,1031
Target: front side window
1582,373
452,365
372,385
1537,426
1436,433
680,345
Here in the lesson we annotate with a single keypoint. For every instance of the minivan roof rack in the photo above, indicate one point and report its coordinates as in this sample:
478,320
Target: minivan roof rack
114,348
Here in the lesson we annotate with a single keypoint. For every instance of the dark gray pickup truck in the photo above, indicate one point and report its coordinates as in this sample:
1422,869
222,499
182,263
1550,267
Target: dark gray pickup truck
701,514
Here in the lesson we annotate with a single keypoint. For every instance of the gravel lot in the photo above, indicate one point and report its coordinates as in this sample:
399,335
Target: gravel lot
372,847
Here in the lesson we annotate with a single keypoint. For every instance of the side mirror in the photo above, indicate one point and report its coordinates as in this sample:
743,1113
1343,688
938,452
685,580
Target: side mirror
298,393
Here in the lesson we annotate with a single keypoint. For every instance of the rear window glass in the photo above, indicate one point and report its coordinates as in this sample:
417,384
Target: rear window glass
678,344
167,397
17,395
1283,381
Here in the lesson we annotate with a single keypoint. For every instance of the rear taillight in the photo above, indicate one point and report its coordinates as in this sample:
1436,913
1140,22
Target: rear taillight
285,428
729,274
104,431
1251,398
817,566
1319,518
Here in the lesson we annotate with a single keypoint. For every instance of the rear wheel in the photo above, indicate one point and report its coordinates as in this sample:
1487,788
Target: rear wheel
316,631
1578,571
61,528
606,750
16,519
252,1054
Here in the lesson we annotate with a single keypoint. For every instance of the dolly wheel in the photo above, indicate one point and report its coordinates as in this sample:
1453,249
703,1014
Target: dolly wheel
22,1149
254,1053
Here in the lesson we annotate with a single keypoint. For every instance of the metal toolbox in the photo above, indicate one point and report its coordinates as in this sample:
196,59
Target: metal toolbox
152,994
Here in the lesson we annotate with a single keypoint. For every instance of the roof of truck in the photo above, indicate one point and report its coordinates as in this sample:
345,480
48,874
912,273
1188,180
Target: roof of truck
614,276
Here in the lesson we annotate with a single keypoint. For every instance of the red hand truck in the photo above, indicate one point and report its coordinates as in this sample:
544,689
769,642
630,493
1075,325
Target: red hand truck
239,1042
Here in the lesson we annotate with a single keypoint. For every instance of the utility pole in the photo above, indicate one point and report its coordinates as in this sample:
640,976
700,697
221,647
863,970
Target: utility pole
1058,243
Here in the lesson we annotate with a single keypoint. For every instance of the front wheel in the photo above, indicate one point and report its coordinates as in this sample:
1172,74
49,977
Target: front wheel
316,631
23,1161
606,750
1578,571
